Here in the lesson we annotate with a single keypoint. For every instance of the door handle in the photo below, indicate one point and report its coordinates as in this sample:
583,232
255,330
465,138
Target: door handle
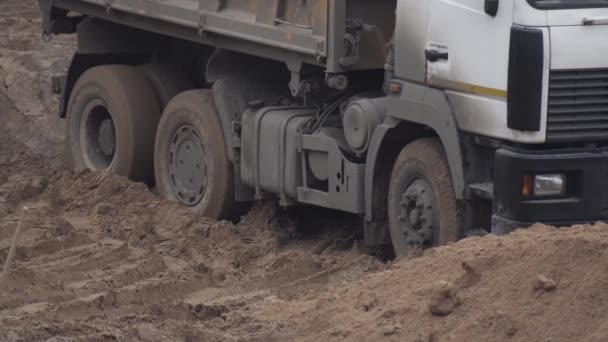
595,21
434,55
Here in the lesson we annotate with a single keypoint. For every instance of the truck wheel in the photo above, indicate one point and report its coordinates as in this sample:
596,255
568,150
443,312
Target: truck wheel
111,123
167,81
423,210
190,164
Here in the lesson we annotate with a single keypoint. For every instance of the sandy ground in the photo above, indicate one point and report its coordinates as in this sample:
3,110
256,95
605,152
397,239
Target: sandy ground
26,66
103,259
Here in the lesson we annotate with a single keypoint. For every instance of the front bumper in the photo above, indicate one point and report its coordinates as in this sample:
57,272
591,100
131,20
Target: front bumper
586,198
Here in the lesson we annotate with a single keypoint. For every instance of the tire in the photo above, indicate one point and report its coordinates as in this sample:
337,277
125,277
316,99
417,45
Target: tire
423,210
111,124
167,81
191,164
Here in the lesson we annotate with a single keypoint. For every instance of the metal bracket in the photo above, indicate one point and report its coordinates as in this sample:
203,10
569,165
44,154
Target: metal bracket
58,83
296,85
108,4
345,182
46,7
235,131
202,23
352,40
221,4
320,50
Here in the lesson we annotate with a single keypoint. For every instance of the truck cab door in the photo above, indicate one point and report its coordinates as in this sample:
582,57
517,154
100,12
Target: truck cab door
467,54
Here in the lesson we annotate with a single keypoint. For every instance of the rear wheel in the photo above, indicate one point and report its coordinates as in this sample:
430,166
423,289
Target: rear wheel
423,210
112,123
191,165
167,81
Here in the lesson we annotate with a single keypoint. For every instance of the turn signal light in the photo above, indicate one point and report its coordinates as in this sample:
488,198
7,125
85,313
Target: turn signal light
526,186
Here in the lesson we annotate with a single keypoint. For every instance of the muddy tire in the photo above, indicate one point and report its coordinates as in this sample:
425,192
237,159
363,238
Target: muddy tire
111,122
167,81
191,164
423,210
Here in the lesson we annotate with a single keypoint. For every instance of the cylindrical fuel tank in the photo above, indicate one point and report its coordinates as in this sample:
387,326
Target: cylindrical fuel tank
270,160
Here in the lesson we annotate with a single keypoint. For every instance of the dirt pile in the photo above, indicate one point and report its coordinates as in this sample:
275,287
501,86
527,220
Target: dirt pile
541,284
104,258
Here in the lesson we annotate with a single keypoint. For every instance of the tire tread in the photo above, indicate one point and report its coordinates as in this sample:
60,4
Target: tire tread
430,153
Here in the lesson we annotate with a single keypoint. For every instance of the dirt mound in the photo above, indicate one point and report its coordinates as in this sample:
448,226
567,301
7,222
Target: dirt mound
104,258
541,284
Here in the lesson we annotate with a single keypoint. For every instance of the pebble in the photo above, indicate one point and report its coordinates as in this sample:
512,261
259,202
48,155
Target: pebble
366,301
544,283
444,298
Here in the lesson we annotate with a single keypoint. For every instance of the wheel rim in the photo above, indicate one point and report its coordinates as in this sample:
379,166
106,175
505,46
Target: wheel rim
98,136
188,166
417,215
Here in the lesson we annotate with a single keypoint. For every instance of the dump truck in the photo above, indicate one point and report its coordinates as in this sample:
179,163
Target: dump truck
430,119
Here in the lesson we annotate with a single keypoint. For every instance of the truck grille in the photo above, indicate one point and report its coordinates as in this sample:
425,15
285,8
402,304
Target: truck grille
578,105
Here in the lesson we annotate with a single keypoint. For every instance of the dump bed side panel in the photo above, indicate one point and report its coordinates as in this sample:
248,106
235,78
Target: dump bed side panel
342,35
294,25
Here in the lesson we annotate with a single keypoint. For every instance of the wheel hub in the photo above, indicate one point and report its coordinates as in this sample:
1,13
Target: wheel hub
417,215
107,137
97,136
188,165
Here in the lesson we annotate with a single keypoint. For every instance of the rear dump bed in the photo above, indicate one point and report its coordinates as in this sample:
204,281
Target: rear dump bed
340,35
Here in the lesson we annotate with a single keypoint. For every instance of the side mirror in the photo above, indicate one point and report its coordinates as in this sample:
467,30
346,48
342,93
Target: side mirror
491,7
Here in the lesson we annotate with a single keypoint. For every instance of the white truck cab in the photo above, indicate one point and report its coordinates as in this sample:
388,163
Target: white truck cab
571,35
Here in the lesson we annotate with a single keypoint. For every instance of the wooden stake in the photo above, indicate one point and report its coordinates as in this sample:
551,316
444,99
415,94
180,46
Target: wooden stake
11,252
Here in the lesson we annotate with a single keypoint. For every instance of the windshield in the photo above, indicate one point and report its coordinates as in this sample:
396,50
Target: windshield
564,4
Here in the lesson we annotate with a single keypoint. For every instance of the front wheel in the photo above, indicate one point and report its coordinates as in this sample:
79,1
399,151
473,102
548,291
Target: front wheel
423,210
190,163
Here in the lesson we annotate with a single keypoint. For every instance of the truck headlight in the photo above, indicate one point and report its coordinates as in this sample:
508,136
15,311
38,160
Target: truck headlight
550,185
